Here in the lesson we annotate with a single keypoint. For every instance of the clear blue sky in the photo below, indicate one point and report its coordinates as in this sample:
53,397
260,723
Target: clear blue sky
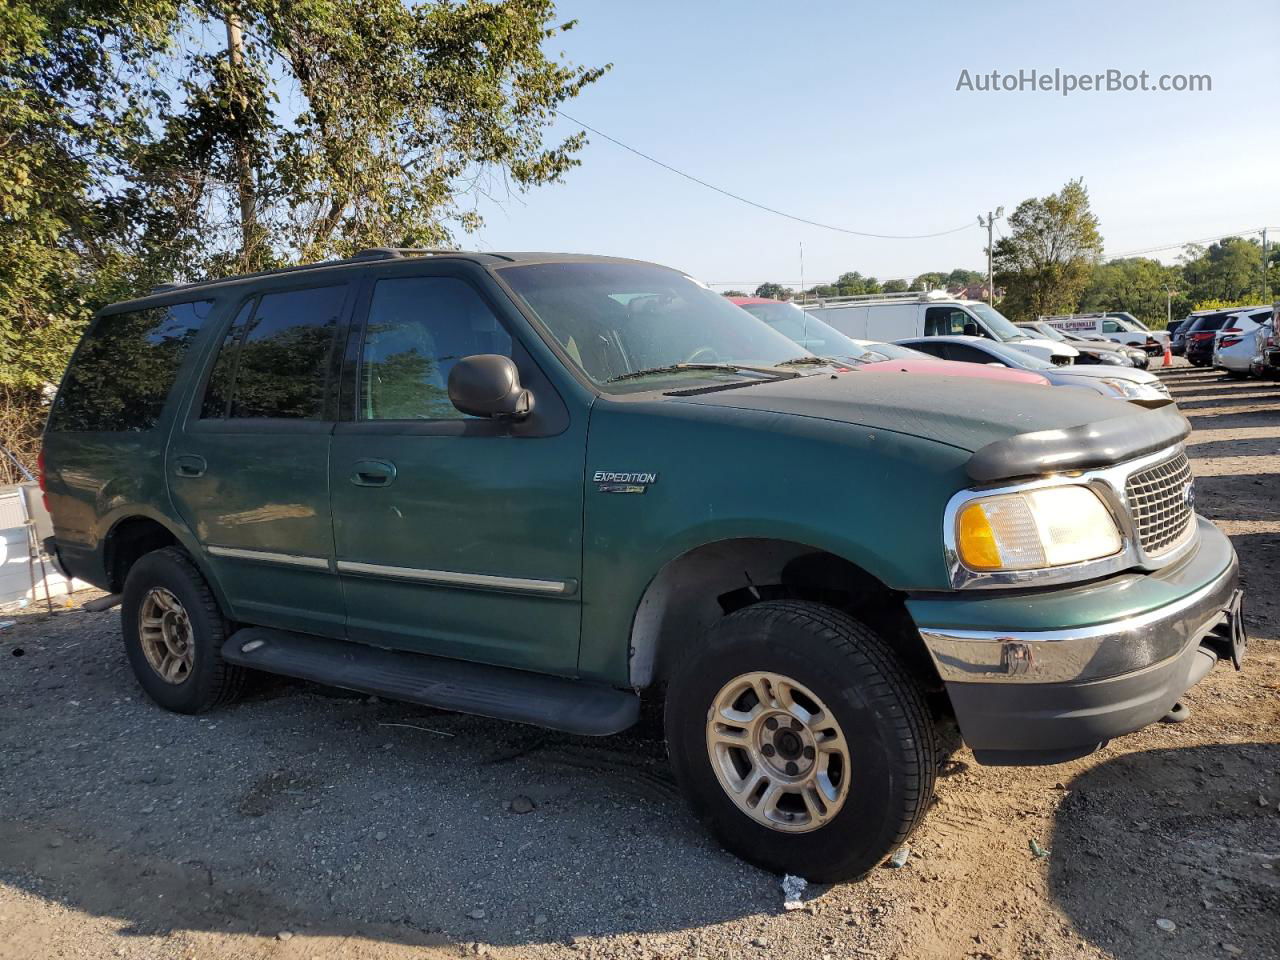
848,113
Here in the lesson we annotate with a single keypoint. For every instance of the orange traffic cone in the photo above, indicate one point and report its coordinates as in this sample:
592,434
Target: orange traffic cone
1168,356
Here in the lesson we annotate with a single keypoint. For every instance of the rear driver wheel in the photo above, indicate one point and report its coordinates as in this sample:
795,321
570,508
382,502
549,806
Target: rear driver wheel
801,741
173,634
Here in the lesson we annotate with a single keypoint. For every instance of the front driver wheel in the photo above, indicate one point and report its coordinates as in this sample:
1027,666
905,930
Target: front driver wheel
801,741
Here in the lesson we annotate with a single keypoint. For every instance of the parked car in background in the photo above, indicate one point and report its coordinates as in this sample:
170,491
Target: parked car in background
892,316
1172,329
807,331
1236,344
1120,383
1267,362
1092,351
1118,327
1203,332
545,488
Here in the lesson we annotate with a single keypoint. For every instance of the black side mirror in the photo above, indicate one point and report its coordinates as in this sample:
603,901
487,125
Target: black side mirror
488,385
970,329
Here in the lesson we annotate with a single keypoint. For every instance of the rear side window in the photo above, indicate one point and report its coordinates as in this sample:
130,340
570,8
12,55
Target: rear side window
122,373
276,360
418,328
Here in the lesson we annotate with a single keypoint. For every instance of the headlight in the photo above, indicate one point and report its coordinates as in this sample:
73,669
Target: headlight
1112,358
1046,527
1125,388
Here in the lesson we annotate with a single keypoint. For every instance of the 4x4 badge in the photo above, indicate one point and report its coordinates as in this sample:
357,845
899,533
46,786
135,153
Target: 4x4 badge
610,482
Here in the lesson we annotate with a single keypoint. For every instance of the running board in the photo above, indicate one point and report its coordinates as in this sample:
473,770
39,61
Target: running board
573,706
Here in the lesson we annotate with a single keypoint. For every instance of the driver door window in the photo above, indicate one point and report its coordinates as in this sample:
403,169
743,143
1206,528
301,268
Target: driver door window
418,328
945,321
1111,326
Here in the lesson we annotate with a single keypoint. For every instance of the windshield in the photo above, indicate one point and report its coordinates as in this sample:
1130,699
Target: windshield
615,319
1016,357
896,351
1001,327
1042,330
1130,322
809,332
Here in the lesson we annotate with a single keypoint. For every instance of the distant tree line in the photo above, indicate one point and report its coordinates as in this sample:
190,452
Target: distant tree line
1052,262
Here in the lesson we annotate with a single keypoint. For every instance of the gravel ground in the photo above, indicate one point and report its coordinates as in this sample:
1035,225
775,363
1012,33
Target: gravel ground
305,822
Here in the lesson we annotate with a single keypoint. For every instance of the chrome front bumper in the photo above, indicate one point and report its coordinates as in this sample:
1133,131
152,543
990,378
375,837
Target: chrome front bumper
1083,653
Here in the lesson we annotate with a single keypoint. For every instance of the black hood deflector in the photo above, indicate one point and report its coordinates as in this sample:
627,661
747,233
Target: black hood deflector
1097,444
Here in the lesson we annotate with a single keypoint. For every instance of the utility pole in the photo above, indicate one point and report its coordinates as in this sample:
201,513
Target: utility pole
250,233
1264,264
1168,305
990,224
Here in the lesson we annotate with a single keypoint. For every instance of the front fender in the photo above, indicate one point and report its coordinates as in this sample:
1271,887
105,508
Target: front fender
871,496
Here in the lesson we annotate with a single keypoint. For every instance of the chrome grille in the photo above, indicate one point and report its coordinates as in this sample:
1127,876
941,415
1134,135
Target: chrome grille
1160,504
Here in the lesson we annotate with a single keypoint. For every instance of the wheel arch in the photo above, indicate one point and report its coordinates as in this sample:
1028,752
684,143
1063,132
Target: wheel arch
695,589
133,535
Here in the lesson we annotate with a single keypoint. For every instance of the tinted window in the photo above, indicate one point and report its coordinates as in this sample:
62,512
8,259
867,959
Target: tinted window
282,363
122,373
218,393
418,328
933,349
967,354
1111,326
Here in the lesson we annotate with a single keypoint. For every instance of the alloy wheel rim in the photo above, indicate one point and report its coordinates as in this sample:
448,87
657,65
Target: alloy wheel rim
164,630
778,752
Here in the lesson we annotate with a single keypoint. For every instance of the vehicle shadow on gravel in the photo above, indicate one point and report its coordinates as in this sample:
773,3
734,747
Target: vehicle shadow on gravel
1187,835
328,815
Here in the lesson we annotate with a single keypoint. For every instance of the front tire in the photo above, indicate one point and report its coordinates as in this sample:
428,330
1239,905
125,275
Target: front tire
173,634
801,741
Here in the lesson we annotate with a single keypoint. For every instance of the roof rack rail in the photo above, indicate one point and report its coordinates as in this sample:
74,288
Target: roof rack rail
362,256
862,299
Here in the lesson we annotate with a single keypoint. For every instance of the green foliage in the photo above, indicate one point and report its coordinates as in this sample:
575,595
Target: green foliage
1046,261
135,150
733,293
774,291
1229,270
1138,285
894,286
1220,304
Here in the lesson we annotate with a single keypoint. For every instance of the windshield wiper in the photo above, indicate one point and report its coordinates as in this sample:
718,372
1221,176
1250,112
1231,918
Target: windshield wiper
809,361
725,367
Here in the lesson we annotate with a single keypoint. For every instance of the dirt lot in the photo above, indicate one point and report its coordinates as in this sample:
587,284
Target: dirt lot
309,823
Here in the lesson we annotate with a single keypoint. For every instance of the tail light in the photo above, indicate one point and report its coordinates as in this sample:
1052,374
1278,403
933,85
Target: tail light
1229,341
1202,336
41,478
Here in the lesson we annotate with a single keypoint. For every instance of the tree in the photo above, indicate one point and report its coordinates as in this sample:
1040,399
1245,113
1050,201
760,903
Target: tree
733,293
774,291
133,150
929,281
894,286
1046,261
961,277
1138,285
1229,269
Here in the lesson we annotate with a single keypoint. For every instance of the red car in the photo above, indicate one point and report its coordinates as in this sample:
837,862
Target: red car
824,340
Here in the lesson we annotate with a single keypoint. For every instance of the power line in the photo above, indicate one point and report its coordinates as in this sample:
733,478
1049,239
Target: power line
1184,243
760,206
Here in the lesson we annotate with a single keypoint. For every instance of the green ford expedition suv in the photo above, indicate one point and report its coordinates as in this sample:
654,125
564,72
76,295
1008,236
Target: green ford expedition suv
543,488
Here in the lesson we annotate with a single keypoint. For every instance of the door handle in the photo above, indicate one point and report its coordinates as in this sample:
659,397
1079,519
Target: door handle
373,473
189,465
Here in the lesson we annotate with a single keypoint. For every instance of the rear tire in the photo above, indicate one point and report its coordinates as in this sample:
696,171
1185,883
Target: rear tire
173,634
837,684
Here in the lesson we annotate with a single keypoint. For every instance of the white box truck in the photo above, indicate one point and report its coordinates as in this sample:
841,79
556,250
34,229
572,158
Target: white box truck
895,316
